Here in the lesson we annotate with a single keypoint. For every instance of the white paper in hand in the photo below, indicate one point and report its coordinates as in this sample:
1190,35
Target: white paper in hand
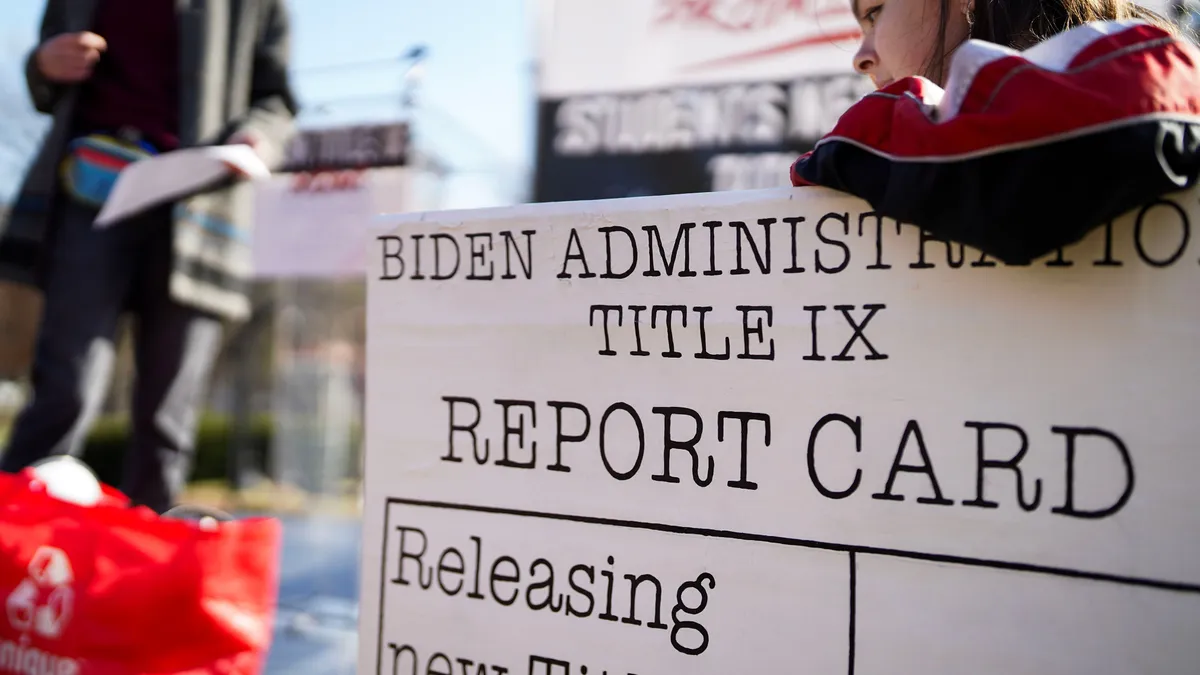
156,180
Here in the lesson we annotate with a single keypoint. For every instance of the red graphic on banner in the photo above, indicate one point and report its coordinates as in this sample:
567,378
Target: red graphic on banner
744,16
796,45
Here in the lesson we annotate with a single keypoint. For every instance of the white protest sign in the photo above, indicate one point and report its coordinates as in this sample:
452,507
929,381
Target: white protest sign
314,225
673,43
702,95
709,433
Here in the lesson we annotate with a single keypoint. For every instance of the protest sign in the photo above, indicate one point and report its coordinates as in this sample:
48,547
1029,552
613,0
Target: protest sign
709,95
707,433
313,225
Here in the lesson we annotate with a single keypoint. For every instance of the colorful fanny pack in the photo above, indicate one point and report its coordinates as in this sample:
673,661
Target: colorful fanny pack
93,162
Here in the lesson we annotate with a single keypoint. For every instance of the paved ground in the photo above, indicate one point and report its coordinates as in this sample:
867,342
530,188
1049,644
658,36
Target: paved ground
316,632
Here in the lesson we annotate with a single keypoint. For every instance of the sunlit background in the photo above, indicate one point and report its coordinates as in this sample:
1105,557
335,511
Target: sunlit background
283,426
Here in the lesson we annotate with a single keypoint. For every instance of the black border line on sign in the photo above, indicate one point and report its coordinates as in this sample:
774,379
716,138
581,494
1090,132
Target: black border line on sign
853,605
853,550
387,527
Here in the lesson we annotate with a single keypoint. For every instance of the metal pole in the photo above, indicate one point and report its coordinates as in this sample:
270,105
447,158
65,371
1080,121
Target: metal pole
243,357
240,437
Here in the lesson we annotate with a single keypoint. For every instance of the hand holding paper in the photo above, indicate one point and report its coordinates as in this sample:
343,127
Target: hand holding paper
246,138
169,176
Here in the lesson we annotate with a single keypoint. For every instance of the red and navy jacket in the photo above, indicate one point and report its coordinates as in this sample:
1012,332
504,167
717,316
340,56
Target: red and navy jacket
1024,152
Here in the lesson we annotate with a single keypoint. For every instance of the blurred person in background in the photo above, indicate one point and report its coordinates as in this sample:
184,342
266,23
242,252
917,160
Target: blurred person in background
125,79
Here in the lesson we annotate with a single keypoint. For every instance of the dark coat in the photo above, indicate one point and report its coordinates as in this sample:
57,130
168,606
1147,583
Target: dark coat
233,77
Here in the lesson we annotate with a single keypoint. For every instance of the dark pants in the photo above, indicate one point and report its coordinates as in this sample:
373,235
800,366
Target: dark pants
93,277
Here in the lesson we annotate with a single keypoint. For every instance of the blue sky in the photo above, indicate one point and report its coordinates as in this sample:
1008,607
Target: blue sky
476,96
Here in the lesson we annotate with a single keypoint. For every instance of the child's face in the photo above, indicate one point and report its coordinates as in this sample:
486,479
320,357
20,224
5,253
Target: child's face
899,36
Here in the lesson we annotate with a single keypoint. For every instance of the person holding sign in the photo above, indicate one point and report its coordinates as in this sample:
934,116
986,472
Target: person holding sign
109,71
1015,153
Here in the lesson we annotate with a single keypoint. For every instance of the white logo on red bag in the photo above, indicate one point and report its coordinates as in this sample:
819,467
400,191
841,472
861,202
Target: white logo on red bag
43,602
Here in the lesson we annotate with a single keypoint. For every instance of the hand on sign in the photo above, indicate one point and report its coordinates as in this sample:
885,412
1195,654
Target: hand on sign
69,58
243,138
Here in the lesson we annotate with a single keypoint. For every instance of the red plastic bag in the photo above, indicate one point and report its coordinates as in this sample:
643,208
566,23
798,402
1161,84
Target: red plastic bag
114,590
